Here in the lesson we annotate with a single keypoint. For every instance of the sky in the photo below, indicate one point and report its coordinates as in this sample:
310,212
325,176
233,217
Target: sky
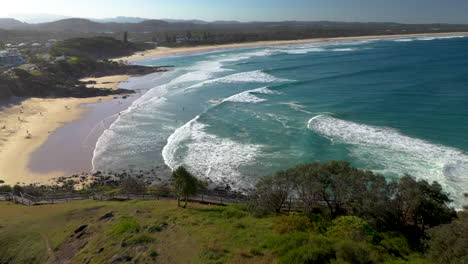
405,11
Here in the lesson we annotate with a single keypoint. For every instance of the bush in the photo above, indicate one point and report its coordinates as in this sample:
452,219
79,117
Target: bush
395,244
352,228
318,250
291,223
6,188
233,211
17,190
348,251
449,243
282,244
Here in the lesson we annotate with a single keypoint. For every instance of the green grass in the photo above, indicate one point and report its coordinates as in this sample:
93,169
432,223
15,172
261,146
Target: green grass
147,231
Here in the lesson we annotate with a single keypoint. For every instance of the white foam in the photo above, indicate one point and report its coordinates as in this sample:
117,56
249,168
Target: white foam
427,38
243,77
302,50
248,97
392,152
404,40
206,155
344,49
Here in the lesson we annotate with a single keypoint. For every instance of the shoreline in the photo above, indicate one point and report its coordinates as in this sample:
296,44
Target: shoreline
26,126
164,51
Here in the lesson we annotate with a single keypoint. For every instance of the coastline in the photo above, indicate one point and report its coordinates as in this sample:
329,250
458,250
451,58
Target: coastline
25,126
42,117
164,51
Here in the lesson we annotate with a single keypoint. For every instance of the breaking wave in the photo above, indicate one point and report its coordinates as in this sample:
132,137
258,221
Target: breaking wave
207,155
243,77
249,96
394,153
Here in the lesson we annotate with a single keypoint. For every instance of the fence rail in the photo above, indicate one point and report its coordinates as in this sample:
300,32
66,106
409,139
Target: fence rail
210,197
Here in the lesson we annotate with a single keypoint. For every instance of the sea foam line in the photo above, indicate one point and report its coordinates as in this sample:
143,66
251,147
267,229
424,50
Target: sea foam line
244,77
391,152
249,97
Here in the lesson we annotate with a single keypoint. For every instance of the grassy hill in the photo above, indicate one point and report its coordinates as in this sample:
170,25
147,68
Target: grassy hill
143,231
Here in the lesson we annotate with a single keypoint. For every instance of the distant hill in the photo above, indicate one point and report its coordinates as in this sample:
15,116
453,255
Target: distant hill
119,19
38,18
11,23
193,21
73,24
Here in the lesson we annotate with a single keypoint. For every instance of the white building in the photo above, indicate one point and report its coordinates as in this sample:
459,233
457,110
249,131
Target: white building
11,58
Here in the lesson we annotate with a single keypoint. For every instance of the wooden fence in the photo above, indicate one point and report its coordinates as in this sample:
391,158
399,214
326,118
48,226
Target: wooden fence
215,198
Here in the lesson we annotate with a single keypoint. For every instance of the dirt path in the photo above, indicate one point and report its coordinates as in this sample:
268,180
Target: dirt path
50,252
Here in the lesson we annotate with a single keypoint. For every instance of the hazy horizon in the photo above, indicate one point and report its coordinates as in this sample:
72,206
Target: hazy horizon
399,11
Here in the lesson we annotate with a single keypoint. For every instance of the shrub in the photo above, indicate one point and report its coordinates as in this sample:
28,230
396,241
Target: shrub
349,251
153,254
291,223
319,250
233,212
281,244
395,244
5,188
449,242
352,228
17,190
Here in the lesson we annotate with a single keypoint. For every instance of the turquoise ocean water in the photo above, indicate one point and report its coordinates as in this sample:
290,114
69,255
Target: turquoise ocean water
392,106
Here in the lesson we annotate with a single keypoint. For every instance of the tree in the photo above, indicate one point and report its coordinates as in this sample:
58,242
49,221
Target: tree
17,190
125,37
185,185
448,243
271,193
421,206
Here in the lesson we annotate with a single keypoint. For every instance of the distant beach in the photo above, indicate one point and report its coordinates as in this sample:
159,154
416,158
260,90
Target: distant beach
164,51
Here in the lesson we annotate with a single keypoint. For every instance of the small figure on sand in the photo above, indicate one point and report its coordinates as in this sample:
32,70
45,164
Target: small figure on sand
40,113
19,119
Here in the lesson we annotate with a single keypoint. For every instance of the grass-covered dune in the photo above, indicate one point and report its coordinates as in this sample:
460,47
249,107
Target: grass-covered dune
160,232
138,232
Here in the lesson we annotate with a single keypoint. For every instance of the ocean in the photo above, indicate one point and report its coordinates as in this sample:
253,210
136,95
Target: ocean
393,106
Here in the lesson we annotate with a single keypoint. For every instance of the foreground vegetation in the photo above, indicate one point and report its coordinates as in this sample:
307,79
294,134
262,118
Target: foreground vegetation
343,215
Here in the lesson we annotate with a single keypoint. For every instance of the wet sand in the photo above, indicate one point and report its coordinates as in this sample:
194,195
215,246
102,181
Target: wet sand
25,126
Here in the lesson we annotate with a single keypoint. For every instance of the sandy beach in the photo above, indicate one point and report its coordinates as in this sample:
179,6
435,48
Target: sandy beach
163,51
26,126
106,82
